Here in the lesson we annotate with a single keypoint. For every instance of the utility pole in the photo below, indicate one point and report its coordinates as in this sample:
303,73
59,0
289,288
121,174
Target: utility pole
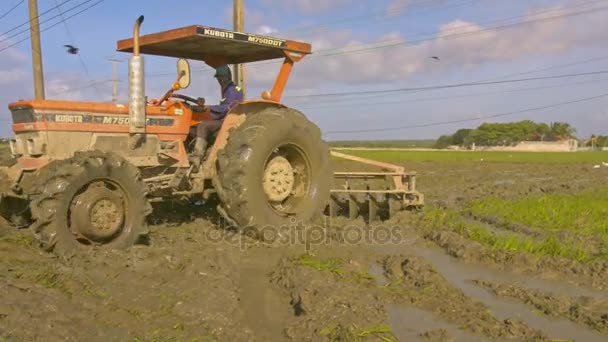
36,50
114,79
239,26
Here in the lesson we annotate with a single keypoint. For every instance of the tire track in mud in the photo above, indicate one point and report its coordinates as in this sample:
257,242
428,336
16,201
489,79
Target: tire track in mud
266,313
464,276
425,287
587,311
592,274
183,287
346,294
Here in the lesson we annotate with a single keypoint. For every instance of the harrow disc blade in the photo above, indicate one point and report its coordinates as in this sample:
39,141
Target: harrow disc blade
373,195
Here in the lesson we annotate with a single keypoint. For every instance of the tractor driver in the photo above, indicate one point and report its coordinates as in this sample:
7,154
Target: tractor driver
231,96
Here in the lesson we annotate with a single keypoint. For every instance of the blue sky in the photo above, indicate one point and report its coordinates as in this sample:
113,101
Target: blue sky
418,28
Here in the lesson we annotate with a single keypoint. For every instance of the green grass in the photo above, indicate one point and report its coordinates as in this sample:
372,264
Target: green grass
337,332
584,212
489,156
19,239
330,265
508,242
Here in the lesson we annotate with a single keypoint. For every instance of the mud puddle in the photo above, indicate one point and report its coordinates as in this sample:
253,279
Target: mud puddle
414,324
461,276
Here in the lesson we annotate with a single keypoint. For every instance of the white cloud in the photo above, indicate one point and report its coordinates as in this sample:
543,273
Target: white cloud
461,45
64,88
396,7
265,30
12,77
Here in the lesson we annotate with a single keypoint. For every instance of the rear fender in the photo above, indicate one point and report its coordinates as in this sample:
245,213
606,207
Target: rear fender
235,117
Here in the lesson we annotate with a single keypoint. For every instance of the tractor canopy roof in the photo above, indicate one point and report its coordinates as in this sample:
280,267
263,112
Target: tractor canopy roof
216,46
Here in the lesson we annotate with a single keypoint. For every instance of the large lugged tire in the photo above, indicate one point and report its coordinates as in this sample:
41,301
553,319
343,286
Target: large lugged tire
94,199
274,171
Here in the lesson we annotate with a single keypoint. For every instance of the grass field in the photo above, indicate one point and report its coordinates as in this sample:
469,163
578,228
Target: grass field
383,143
460,156
583,212
550,245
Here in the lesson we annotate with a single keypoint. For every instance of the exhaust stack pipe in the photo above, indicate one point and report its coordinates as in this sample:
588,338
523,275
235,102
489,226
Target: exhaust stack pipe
137,99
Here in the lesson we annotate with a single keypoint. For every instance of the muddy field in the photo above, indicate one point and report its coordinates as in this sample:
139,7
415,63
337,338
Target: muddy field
460,270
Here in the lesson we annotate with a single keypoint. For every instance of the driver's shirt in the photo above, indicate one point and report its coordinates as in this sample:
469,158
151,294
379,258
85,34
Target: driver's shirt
231,96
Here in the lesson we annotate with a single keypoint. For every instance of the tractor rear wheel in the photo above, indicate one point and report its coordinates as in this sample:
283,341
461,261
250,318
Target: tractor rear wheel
94,199
274,172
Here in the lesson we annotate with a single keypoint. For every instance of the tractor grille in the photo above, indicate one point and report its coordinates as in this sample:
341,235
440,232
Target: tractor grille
24,115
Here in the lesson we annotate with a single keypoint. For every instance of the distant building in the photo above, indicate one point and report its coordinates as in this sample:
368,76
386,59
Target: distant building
570,145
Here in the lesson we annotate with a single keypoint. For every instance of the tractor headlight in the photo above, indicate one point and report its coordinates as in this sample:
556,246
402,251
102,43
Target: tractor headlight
34,148
16,150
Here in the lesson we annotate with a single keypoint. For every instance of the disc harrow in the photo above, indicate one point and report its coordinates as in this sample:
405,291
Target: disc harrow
373,195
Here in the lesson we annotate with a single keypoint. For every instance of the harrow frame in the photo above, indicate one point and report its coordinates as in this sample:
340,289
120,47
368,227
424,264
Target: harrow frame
373,204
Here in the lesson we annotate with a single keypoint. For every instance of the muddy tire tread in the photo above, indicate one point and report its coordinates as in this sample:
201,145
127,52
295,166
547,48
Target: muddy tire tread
54,179
233,167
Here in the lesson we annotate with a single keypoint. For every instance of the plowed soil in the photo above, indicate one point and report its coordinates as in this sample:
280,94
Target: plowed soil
406,279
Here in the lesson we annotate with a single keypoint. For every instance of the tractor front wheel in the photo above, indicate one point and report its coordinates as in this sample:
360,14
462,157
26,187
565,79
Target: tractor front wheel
274,172
93,199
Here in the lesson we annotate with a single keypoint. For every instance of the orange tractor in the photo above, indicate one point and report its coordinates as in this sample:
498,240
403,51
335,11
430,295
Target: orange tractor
86,172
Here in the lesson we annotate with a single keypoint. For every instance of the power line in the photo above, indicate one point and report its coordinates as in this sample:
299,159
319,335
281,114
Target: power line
453,85
462,34
379,15
371,103
385,129
73,41
11,9
55,24
532,71
410,43
557,66
29,21
44,21
438,37
364,48
91,85
206,69
342,51
354,18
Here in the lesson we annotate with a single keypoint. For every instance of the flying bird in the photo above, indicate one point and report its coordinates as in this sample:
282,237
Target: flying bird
435,58
71,49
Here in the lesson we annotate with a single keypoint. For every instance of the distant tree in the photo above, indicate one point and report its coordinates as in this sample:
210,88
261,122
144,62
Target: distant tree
462,137
561,131
504,134
596,141
542,132
443,142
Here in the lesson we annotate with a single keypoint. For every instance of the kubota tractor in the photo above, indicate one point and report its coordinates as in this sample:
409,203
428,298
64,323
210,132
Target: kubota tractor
86,172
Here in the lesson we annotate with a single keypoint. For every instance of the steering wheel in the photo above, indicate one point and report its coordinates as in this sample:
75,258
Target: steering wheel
187,98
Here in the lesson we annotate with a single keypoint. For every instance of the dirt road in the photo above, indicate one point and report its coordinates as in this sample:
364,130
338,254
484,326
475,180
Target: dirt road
415,277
